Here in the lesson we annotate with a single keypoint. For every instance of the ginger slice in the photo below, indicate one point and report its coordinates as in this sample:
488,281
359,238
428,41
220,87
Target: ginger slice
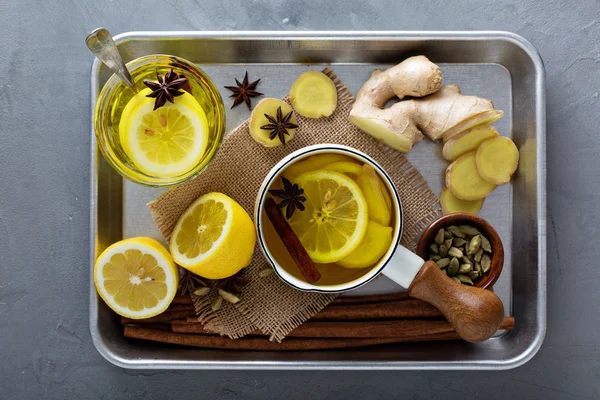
467,141
269,106
313,95
481,118
464,181
497,159
451,204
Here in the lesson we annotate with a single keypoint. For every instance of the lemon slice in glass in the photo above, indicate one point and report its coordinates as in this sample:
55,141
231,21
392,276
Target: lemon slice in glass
336,215
136,277
166,142
214,237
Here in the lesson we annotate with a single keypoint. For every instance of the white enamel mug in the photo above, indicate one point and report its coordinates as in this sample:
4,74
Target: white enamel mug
474,313
398,263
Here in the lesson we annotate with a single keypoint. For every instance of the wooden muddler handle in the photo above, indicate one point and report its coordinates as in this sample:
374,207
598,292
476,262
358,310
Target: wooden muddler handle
474,313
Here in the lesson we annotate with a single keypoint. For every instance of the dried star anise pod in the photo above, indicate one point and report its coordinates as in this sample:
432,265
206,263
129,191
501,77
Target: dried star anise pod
167,88
234,284
279,126
188,282
244,91
291,197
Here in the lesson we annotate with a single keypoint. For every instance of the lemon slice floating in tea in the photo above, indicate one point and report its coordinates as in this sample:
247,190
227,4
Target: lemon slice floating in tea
166,142
334,222
214,237
136,277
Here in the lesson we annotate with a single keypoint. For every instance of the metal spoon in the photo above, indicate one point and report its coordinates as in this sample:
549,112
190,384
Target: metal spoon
101,43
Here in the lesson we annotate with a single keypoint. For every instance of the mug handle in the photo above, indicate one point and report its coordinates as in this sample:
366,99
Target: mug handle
475,313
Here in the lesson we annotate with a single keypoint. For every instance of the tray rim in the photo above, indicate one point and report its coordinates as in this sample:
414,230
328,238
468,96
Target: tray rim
540,116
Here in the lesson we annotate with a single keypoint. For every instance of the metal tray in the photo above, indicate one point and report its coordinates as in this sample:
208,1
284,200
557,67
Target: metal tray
497,65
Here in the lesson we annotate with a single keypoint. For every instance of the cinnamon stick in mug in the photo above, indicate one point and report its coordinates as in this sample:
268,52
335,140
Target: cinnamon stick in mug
292,242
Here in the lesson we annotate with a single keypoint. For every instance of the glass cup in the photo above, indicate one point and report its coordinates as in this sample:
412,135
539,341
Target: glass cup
115,95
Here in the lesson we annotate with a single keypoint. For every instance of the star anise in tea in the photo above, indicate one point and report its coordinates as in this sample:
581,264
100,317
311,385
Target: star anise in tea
244,91
292,197
167,88
279,125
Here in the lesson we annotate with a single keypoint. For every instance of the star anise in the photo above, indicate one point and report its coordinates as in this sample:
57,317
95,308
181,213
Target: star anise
167,88
188,282
279,126
244,91
291,197
234,284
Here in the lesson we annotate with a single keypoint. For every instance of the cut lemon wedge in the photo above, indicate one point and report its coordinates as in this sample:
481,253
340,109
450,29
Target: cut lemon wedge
136,277
214,237
166,142
335,219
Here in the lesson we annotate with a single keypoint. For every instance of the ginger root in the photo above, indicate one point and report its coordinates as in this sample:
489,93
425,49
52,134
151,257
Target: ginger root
313,95
464,181
258,119
443,113
451,204
467,141
497,159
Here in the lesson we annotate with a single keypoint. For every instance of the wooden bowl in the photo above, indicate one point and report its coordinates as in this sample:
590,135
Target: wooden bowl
488,280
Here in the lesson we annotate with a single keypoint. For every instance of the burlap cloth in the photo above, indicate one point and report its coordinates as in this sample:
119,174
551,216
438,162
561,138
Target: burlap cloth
238,171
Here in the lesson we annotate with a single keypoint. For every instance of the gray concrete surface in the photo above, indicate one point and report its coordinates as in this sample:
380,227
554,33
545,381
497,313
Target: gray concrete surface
46,350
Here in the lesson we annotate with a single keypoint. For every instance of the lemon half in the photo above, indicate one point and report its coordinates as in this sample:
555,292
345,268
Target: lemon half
214,237
334,222
166,142
136,277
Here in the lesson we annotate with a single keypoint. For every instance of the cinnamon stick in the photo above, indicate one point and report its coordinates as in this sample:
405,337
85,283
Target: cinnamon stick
166,316
182,300
376,298
255,343
410,308
292,242
351,329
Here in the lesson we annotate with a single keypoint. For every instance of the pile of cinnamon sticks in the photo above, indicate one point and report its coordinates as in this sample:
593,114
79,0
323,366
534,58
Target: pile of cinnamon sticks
347,322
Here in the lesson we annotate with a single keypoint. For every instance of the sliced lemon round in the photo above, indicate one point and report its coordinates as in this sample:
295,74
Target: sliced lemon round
335,219
377,241
169,141
214,237
136,277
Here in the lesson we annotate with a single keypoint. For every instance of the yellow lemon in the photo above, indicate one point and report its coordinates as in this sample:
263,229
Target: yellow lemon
136,277
169,141
376,242
214,237
335,219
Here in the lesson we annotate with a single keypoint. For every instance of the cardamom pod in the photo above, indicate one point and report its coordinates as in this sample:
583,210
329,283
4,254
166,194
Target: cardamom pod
466,260
439,237
453,267
478,254
485,244
265,272
203,291
474,275
435,257
455,279
486,263
229,297
454,252
445,272
434,248
458,242
457,232
464,279
469,230
478,268
448,243
216,303
443,251
474,245
443,262
464,268
447,235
